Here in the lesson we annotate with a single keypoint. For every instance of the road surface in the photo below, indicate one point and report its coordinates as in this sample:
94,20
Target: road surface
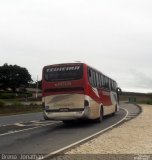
29,134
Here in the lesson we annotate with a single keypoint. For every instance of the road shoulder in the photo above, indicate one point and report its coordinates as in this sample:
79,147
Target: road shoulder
133,137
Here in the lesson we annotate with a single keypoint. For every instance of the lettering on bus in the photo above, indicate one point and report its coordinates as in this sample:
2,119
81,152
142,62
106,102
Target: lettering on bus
60,69
62,84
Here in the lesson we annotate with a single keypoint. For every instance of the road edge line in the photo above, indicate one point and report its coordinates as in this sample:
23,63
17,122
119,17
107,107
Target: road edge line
52,154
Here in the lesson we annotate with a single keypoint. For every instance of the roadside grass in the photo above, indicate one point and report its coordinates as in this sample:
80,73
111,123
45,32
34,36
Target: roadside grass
17,108
145,102
149,102
16,95
137,98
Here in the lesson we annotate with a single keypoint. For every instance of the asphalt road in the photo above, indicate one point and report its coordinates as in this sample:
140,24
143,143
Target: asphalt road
8,120
44,137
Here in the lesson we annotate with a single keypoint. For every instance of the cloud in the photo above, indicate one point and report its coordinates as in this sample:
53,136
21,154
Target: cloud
113,36
141,80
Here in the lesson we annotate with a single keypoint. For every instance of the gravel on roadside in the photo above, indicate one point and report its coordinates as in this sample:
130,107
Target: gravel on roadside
133,137
131,140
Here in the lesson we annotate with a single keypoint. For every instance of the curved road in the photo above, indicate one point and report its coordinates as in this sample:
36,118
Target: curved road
35,136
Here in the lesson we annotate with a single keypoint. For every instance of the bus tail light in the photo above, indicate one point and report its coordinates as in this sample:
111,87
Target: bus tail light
86,103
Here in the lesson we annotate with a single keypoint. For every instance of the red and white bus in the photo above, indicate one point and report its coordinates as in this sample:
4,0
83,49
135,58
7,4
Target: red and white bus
77,91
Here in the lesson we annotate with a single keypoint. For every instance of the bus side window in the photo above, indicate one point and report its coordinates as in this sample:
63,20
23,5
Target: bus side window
89,71
90,74
100,81
107,83
103,81
94,79
97,79
112,85
110,88
115,86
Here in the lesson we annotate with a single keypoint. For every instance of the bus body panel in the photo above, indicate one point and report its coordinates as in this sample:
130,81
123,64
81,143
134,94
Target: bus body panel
71,110
69,101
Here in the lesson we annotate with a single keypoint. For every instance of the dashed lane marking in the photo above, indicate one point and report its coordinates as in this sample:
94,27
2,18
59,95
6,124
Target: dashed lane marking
19,124
22,125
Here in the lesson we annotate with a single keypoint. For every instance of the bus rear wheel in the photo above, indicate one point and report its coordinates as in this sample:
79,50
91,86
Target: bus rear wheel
115,110
67,121
45,118
99,120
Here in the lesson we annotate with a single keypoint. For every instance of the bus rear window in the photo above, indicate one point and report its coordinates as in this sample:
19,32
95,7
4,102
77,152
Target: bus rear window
63,73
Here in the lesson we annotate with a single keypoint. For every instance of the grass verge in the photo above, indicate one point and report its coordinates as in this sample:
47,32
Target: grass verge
18,108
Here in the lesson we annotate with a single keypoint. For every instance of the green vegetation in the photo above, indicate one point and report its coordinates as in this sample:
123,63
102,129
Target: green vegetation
15,98
148,101
2,103
145,102
17,95
13,77
19,102
7,95
137,98
17,108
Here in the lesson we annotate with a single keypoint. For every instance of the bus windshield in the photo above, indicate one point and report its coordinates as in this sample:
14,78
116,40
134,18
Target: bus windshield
63,72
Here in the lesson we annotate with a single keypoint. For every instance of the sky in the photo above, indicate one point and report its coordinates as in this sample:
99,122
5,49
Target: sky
114,36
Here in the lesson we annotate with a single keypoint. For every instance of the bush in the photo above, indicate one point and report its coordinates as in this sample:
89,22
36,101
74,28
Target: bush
16,103
149,102
7,95
10,95
2,104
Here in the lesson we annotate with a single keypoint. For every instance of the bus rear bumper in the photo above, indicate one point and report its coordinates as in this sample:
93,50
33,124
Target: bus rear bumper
66,115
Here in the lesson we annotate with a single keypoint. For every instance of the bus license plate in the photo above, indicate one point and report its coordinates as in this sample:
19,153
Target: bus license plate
64,109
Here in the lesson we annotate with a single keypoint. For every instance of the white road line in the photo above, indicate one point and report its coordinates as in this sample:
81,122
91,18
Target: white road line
24,123
41,122
15,123
85,139
17,131
19,124
33,121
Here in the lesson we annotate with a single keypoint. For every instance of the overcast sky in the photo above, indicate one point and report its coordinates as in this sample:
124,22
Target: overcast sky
114,36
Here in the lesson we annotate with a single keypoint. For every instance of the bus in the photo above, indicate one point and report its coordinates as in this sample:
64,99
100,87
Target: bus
72,91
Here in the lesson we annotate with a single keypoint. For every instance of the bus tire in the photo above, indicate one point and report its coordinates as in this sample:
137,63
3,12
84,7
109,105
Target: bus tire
99,120
67,121
46,118
115,110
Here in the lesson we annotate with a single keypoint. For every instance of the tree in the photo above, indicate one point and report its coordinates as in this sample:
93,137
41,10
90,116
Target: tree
13,76
34,84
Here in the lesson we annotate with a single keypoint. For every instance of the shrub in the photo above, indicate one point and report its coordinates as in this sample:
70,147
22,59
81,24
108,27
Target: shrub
7,95
16,103
2,104
149,102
